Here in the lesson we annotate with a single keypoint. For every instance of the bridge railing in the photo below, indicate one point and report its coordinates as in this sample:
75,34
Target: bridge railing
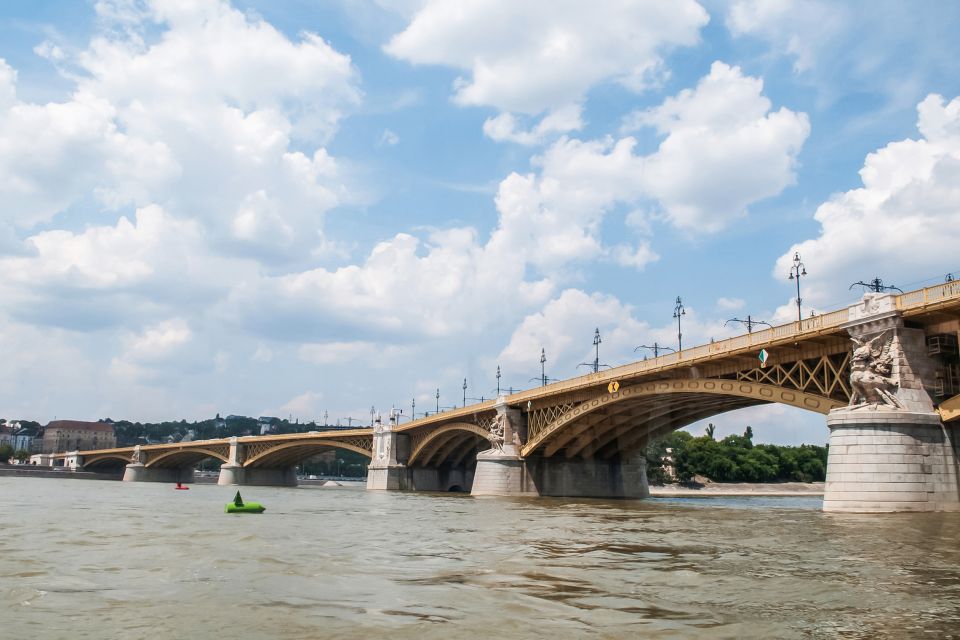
929,295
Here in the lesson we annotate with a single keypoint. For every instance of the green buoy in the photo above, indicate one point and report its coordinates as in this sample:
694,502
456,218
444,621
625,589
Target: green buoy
239,506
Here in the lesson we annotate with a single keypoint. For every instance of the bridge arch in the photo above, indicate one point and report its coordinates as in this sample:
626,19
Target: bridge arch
452,442
289,454
601,423
106,460
184,457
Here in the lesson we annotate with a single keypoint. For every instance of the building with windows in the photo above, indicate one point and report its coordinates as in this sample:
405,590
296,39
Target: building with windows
72,435
25,439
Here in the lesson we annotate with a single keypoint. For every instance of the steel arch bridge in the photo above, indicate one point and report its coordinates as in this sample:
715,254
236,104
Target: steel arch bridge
603,416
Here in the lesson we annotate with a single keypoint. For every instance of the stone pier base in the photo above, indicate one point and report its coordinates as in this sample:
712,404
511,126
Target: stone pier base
388,478
232,474
502,474
442,479
510,475
621,477
884,460
137,472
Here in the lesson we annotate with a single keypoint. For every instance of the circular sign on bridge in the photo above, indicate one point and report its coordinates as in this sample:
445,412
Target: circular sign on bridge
613,387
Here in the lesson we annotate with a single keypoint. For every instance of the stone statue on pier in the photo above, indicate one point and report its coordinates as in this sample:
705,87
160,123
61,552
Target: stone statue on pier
137,456
496,434
871,372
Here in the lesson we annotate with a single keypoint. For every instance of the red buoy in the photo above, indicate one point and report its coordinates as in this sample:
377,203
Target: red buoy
180,487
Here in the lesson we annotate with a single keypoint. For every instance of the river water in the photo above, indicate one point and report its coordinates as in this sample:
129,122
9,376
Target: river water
94,559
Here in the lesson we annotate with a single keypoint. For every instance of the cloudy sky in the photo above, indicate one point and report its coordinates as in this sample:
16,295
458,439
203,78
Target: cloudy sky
308,208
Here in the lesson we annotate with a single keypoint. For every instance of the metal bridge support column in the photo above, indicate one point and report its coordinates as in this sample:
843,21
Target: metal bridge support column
501,471
895,455
232,471
388,470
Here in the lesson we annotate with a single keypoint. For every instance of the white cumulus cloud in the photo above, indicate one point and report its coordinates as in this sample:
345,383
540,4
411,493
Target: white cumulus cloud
902,224
541,55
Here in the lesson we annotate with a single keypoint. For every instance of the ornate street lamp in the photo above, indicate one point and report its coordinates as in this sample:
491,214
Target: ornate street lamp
876,285
498,381
543,365
679,311
464,392
656,348
596,359
749,323
798,269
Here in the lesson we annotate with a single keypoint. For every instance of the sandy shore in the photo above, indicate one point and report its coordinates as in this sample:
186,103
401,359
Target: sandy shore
717,489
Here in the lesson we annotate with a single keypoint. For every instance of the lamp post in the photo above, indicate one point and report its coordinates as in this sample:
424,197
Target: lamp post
543,379
464,392
498,381
679,311
595,365
656,348
749,323
798,269
876,285
413,408
596,348
438,399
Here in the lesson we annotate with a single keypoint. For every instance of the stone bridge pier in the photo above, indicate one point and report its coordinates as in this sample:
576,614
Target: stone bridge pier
233,471
138,471
889,450
502,471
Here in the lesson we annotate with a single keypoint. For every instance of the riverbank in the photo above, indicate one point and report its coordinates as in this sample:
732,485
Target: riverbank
29,471
723,489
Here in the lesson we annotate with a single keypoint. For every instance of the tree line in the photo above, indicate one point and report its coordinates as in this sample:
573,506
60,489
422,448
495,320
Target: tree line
732,459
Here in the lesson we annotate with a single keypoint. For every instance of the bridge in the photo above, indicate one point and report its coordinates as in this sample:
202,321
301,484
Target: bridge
883,372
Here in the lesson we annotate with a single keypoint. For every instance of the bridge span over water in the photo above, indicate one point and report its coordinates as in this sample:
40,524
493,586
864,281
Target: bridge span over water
883,372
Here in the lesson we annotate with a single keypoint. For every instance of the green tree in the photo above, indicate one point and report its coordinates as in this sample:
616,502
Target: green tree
6,452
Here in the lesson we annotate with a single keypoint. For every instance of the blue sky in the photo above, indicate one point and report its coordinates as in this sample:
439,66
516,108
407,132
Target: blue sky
306,207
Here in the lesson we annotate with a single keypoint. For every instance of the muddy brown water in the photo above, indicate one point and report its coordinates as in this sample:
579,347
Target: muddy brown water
140,560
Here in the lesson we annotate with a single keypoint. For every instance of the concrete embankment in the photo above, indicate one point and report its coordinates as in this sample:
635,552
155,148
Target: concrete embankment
719,489
25,471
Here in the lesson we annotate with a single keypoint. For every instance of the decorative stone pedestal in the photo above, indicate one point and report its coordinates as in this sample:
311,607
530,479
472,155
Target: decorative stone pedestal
884,460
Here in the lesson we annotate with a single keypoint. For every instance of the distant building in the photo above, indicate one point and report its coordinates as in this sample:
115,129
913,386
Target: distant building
266,424
72,435
26,439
